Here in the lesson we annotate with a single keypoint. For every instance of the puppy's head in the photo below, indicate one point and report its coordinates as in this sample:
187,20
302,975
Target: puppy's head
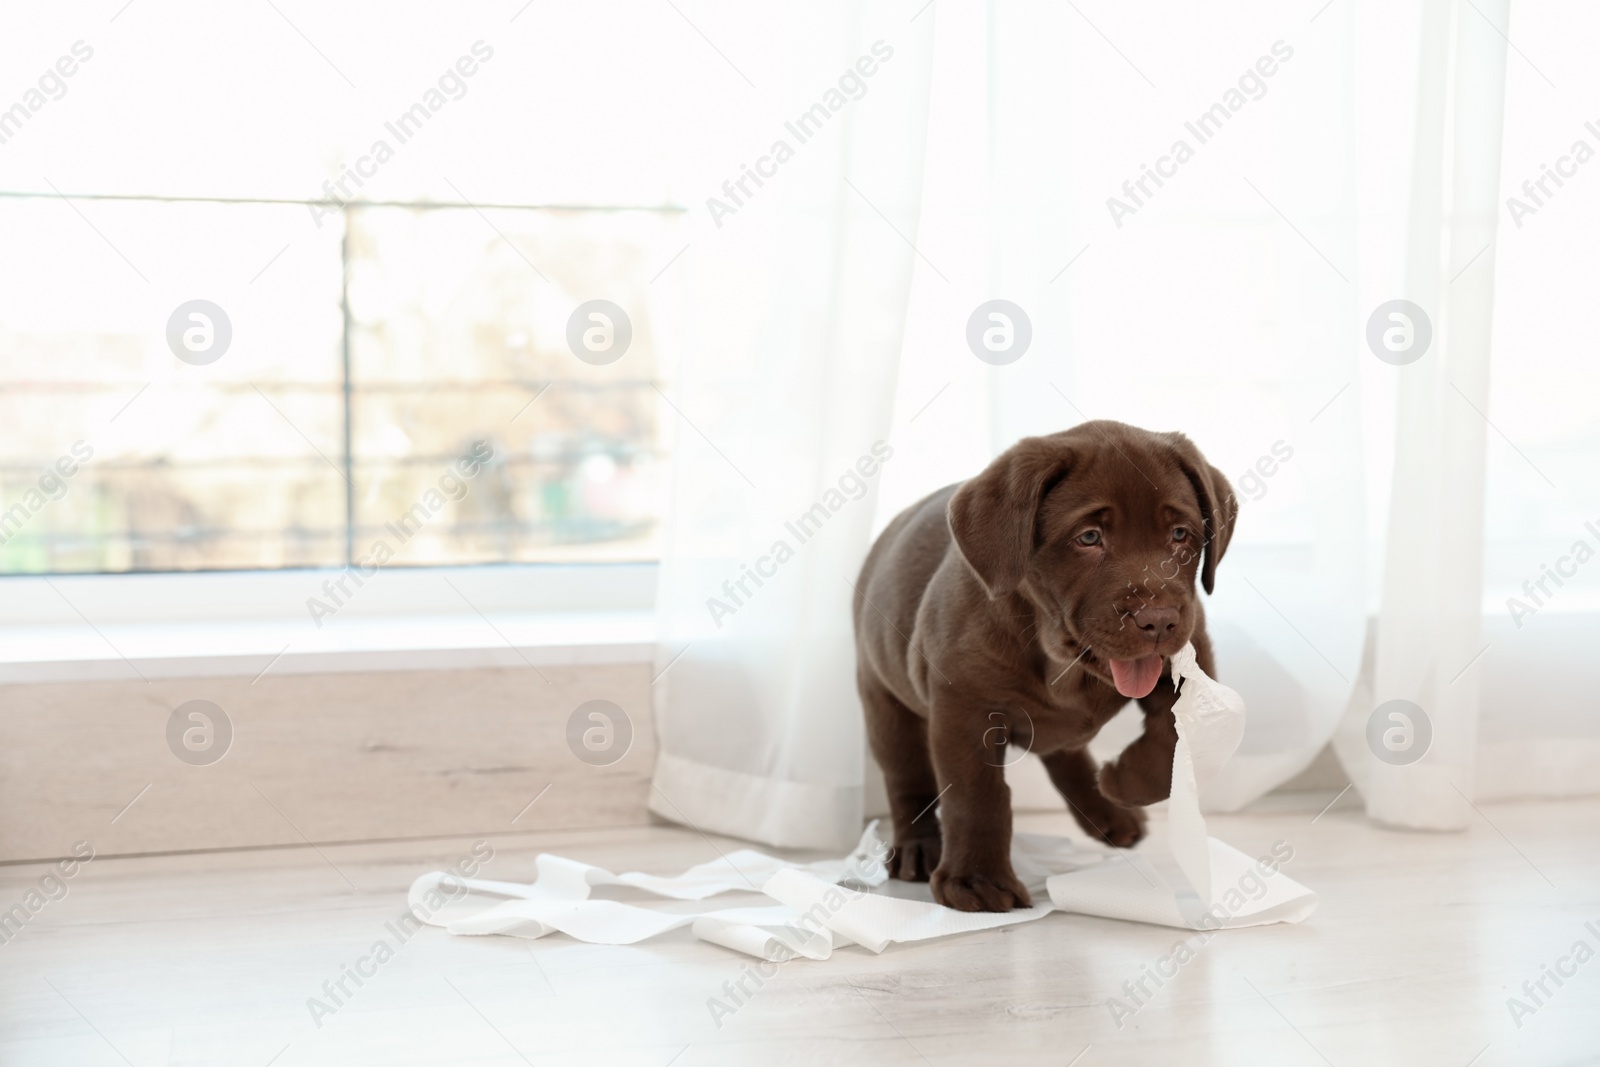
1104,528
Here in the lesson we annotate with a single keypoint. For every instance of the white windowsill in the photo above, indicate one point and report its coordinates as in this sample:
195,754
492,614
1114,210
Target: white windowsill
132,627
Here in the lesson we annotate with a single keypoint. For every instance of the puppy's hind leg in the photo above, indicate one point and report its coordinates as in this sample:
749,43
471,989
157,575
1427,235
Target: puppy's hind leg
899,740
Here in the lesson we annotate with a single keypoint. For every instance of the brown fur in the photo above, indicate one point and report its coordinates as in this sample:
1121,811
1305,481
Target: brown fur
982,623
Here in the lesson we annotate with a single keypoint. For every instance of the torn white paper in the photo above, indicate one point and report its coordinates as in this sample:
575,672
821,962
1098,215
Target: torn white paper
1203,883
787,910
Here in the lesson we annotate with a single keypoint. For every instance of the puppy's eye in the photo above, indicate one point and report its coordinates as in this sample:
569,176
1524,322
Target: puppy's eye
1180,534
1089,537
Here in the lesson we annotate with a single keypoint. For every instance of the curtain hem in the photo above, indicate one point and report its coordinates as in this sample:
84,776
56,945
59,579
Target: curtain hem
767,810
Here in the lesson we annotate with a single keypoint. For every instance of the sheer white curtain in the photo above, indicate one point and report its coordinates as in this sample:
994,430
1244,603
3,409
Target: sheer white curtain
1227,304
1429,626
1538,734
1518,418
1390,509
783,409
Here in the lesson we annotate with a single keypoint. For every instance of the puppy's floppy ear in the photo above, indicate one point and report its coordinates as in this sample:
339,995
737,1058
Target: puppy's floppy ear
992,516
1219,508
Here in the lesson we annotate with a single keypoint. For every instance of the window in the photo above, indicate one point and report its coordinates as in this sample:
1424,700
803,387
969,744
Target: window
389,374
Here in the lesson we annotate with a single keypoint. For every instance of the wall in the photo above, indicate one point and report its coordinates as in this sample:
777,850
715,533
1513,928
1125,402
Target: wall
315,757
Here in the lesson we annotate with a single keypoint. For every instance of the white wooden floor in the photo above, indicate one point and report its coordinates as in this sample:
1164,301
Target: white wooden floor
1410,959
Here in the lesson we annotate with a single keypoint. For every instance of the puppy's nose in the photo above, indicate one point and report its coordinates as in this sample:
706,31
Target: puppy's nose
1158,624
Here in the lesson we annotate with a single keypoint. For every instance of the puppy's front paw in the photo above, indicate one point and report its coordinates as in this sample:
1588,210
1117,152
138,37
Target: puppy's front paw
1136,786
1107,821
914,859
990,890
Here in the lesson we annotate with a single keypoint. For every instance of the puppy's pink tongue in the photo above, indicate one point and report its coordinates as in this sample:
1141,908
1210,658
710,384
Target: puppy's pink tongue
1135,678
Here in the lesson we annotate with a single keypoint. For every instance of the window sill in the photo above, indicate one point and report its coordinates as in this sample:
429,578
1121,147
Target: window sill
128,627
130,651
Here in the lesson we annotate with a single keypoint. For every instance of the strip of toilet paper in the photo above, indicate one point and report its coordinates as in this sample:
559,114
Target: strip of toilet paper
791,910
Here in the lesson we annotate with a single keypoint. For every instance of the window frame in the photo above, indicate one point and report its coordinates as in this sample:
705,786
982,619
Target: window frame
345,387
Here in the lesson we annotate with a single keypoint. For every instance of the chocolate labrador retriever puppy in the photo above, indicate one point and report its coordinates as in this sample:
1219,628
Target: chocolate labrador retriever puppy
1021,610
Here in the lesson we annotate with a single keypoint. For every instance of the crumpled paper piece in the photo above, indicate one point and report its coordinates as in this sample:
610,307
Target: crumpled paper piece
1203,883
810,909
